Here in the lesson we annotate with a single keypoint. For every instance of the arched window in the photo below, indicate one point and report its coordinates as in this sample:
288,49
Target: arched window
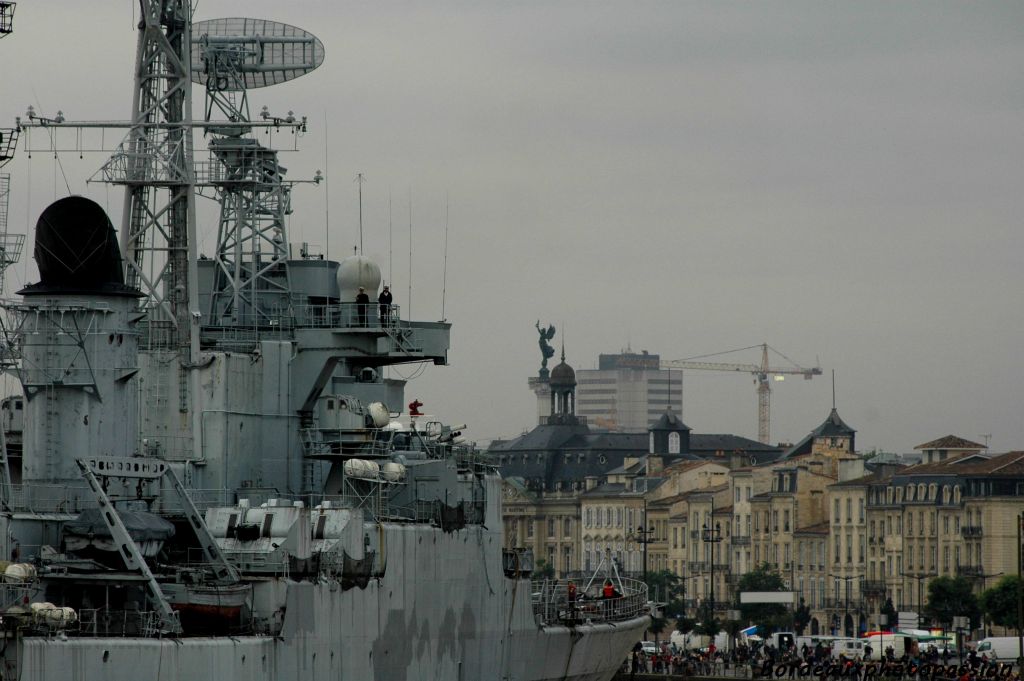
673,443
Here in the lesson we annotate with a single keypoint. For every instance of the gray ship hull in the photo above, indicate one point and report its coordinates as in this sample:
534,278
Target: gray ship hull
449,613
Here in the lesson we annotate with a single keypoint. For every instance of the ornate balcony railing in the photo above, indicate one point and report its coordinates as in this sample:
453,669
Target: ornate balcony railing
970,570
873,587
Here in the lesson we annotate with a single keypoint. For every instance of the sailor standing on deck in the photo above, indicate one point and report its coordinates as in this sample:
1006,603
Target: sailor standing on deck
362,302
385,306
608,593
570,597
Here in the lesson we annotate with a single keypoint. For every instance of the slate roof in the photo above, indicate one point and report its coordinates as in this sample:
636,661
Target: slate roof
861,481
950,442
607,489
833,426
546,437
669,421
1010,464
560,447
633,468
711,443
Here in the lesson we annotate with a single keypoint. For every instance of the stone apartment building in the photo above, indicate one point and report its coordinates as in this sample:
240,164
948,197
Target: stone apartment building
845,534
952,515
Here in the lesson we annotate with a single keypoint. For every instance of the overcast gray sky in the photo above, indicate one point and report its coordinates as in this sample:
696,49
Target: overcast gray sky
840,180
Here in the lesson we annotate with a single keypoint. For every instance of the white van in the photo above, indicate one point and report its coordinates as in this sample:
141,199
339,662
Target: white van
900,643
1000,648
849,648
783,640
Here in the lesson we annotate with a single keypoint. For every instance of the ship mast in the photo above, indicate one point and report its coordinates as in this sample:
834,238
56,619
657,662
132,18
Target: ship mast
154,162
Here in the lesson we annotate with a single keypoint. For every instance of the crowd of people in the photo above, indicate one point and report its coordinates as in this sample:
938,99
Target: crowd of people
670,659
768,661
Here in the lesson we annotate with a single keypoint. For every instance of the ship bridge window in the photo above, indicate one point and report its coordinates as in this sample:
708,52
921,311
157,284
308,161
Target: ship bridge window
330,405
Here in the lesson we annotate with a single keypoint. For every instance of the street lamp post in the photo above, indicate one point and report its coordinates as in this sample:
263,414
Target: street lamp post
846,606
643,537
985,578
920,577
711,535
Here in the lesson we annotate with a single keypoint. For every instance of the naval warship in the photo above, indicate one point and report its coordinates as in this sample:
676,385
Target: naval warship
217,478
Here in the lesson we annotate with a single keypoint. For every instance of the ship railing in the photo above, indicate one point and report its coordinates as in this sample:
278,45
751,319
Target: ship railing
329,316
203,499
51,498
167,447
93,622
17,593
552,604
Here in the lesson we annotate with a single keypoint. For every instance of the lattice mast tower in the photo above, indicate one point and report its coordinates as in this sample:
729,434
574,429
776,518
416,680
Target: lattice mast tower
10,244
158,234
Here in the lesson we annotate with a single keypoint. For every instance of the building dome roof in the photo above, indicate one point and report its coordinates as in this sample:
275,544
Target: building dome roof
563,376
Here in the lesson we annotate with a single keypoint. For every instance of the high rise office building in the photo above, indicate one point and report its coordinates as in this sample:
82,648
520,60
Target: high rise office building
627,392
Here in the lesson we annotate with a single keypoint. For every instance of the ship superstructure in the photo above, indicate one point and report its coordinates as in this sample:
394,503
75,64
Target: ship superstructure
217,478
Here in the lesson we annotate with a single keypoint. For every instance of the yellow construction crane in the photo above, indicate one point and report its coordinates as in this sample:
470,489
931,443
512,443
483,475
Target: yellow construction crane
761,373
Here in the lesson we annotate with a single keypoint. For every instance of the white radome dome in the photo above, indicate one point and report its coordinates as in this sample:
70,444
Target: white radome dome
355,271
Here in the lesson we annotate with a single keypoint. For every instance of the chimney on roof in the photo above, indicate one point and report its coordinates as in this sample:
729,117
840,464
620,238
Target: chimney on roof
851,469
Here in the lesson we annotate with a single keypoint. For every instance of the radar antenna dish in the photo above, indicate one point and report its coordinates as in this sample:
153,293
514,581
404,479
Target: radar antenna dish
6,17
241,53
